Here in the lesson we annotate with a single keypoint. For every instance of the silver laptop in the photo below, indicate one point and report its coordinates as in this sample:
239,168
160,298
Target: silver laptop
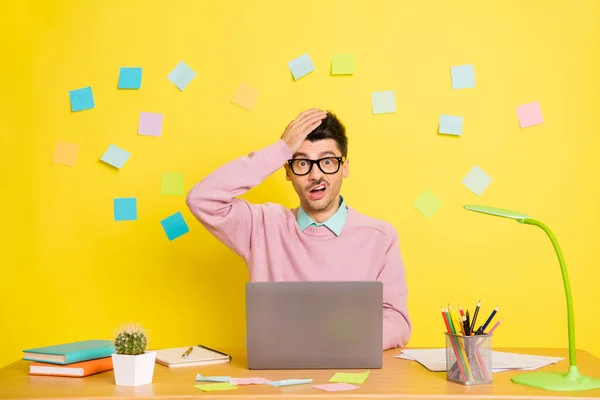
307,325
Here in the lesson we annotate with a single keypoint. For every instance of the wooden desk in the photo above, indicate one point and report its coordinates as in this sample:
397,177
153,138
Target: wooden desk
398,379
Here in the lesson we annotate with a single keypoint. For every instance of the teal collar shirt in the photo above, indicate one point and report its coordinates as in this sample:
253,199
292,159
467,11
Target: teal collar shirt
335,223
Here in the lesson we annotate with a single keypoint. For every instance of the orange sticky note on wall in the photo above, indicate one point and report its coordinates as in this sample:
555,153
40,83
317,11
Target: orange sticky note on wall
65,153
245,96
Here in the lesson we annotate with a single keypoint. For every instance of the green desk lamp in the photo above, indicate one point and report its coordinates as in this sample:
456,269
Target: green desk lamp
572,379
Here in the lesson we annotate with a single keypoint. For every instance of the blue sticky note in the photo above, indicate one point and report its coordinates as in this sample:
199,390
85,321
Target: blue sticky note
290,382
125,209
201,378
115,156
130,78
301,66
182,75
384,102
174,226
463,76
451,125
81,99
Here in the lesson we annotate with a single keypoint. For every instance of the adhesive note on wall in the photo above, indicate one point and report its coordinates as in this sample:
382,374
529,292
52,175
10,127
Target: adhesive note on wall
130,78
125,209
115,156
245,96
174,226
451,125
65,153
530,114
349,377
427,203
301,66
384,102
181,76
150,124
335,387
463,76
211,387
342,64
290,382
172,184
477,180
81,99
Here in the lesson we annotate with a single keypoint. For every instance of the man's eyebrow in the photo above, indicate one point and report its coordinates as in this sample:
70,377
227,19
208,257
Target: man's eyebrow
325,153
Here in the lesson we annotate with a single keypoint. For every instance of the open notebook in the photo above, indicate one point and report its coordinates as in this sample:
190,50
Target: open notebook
200,355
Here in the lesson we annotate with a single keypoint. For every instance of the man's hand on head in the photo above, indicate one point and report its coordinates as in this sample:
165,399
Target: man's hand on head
301,127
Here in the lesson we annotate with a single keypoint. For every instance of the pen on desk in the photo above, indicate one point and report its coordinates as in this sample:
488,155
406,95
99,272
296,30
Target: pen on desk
475,316
187,352
489,320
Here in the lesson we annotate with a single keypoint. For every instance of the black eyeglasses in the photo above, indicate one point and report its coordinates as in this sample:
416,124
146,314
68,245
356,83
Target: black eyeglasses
328,165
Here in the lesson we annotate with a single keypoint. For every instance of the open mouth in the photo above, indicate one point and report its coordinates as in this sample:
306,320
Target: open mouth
317,192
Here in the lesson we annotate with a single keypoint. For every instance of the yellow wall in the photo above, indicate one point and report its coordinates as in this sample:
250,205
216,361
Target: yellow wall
69,272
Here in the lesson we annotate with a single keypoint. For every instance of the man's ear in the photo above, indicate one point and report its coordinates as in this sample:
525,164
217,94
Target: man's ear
346,169
287,172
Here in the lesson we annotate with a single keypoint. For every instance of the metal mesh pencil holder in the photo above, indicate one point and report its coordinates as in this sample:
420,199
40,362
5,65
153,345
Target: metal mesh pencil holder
469,359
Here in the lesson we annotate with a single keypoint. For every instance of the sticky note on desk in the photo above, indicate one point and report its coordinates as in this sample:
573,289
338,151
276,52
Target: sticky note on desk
172,184
65,153
174,226
335,387
130,78
451,125
150,124
81,99
181,76
342,64
345,377
463,76
211,387
289,382
477,180
530,114
427,203
245,96
115,156
384,102
248,381
125,209
301,66
200,378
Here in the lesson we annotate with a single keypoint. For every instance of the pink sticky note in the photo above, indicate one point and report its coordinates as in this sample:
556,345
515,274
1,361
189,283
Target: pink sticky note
150,124
248,381
335,387
530,114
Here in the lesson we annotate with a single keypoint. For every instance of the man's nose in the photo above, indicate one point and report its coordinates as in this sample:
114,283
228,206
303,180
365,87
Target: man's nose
315,173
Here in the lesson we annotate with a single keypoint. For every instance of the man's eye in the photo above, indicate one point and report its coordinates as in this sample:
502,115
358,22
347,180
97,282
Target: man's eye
328,161
302,163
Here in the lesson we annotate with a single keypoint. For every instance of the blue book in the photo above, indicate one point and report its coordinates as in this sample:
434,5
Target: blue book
69,353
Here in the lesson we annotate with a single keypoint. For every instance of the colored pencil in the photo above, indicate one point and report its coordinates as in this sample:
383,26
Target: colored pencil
468,324
489,319
460,310
494,327
472,329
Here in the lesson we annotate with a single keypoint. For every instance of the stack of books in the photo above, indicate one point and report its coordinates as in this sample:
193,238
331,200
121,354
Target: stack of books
77,359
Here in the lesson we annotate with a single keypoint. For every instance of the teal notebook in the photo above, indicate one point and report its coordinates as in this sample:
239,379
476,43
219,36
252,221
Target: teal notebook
69,353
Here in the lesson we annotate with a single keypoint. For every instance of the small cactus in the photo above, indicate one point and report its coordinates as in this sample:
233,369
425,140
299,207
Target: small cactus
131,341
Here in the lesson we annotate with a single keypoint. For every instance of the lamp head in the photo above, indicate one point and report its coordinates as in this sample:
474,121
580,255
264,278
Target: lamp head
498,212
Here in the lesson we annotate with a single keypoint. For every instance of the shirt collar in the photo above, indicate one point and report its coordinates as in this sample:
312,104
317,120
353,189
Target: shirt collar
335,223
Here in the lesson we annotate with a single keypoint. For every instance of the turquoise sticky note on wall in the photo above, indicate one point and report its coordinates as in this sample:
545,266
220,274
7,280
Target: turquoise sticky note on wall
384,102
451,125
463,76
115,156
125,209
181,76
301,66
81,99
174,226
130,78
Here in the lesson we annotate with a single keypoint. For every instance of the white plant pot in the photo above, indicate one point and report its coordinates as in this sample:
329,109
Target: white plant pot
134,370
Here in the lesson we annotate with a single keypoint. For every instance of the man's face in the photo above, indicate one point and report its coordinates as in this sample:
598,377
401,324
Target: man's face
317,190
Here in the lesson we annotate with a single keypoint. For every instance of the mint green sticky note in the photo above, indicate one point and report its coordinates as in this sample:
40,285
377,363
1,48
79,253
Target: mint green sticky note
172,184
477,180
342,64
211,387
346,377
427,203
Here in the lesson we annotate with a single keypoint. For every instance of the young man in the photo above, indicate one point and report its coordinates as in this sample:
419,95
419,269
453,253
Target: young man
321,240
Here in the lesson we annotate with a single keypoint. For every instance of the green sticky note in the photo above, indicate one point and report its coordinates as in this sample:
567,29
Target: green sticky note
342,64
427,203
211,387
345,377
172,183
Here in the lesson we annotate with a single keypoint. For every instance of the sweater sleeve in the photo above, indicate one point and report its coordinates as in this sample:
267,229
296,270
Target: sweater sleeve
213,200
397,327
